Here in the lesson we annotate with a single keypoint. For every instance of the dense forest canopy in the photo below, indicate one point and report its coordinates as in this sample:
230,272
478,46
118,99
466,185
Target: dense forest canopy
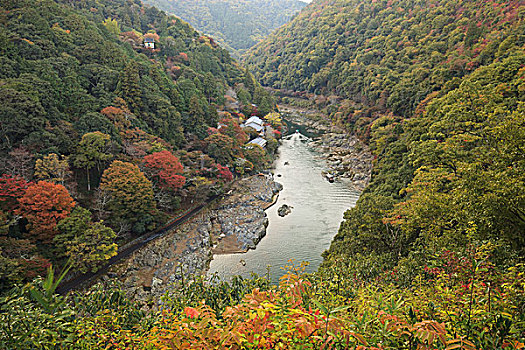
384,53
102,137
237,25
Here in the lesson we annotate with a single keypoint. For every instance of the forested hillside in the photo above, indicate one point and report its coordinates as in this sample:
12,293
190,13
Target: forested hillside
386,54
435,88
101,137
236,25
431,257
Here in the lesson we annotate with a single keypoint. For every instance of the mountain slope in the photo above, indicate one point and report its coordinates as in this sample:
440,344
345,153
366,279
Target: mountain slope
384,53
62,64
436,89
91,117
237,25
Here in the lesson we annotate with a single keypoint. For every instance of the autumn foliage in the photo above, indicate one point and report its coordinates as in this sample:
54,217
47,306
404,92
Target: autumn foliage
165,168
224,173
11,188
117,116
44,204
131,193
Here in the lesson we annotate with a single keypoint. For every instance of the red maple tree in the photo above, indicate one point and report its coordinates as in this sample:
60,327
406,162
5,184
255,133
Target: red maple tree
11,188
165,169
224,173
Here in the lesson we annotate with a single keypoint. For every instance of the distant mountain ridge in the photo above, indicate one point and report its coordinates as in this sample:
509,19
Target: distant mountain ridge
236,24
387,53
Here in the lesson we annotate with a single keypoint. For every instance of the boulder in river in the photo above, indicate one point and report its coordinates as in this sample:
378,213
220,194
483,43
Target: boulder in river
284,210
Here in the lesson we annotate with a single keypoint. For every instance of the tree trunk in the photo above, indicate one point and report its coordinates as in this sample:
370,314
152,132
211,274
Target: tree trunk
88,182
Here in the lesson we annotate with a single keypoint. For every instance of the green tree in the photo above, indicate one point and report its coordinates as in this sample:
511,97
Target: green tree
112,26
257,156
130,89
86,244
221,148
91,152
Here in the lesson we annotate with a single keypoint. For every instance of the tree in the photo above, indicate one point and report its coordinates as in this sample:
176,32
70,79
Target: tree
19,162
165,169
224,173
130,89
230,126
257,156
118,116
249,81
11,189
91,151
196,114
43,205
20,115
275,119
93,121
131,195
51,168
210,86
112,26
220,147
85,243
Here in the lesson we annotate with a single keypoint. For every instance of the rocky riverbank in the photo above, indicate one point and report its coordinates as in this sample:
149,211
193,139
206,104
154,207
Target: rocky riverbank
240,217
346,156
234,224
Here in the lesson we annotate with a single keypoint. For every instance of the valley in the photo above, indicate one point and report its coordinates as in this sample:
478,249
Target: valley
371,152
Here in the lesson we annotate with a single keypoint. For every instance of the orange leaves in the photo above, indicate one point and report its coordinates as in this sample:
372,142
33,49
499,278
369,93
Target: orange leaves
460,344
513,345
44,204
191,312
426,332
285,318
117,116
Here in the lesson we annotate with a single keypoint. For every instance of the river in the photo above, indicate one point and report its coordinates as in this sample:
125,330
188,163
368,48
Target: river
318,208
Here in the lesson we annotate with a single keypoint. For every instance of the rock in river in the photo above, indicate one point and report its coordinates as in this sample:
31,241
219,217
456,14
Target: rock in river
284,210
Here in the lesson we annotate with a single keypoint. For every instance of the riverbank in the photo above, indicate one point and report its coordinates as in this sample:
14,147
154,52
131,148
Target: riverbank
240,217
346,156
234,224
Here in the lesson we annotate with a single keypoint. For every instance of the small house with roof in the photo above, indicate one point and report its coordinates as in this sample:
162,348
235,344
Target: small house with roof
149,42
259,141
255,123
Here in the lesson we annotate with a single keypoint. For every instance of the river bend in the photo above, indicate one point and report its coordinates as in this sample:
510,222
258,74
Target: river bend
318,208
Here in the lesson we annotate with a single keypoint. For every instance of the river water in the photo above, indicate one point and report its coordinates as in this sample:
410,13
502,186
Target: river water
318,208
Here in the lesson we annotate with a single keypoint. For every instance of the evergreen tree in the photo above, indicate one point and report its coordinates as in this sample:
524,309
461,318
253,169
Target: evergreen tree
130,89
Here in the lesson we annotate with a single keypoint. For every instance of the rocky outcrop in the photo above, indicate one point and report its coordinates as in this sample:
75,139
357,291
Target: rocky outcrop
234,224
347,157
241,215
150,271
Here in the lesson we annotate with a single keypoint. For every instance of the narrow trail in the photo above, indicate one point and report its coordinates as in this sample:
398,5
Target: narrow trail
87,277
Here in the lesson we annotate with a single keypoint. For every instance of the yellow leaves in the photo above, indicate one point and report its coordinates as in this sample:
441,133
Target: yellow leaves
28,41
460,343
